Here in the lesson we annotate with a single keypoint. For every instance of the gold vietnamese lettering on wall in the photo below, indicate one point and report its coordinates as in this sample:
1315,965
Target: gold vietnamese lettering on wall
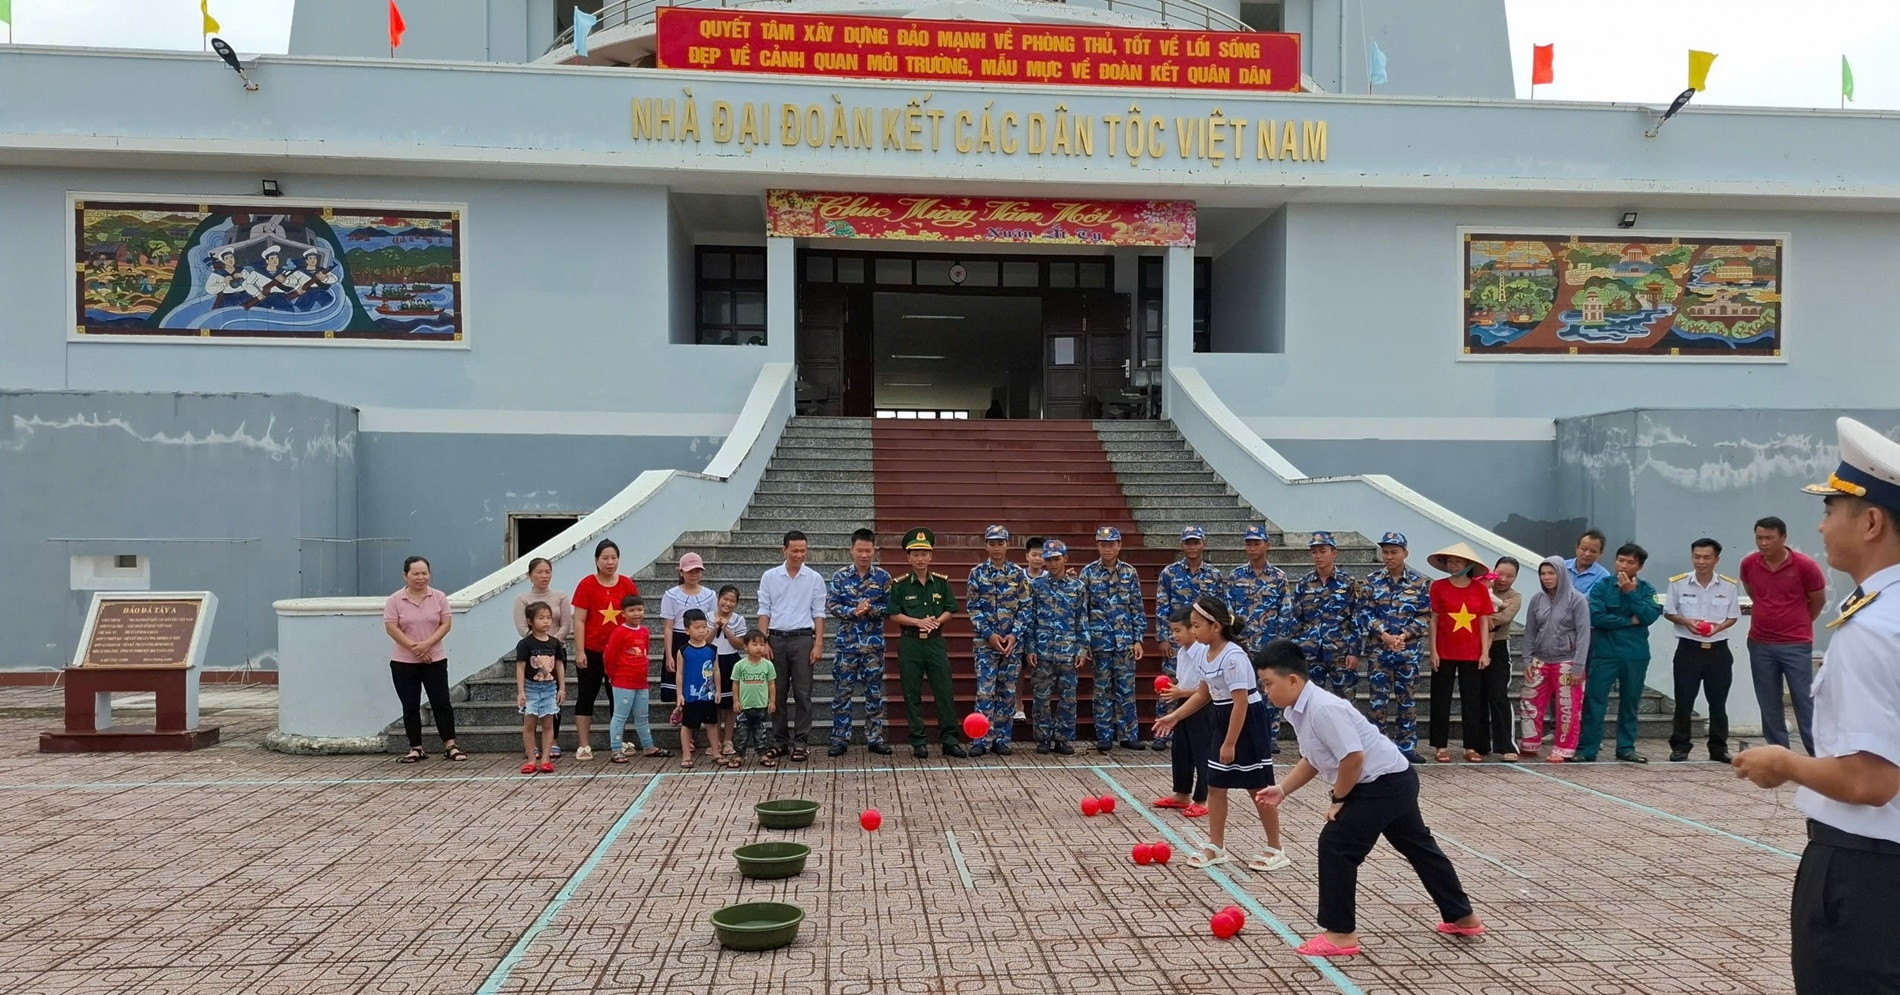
906,129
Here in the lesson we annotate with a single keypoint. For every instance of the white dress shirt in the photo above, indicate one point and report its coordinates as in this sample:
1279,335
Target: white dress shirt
1717,602
1330,729
792,602
1857,706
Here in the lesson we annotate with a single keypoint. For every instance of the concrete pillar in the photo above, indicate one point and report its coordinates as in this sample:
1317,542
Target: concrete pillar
781,299
1177,317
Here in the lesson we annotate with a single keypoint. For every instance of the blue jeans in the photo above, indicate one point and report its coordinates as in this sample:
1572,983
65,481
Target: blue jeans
634,702
1771,663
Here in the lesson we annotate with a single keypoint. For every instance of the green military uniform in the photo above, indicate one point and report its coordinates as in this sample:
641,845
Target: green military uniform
920,656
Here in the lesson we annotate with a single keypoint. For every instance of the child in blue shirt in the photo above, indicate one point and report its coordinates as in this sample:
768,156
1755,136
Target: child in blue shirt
699,682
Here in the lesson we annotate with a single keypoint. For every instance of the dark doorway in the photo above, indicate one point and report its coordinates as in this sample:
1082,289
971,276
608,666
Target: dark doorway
958,355
527,531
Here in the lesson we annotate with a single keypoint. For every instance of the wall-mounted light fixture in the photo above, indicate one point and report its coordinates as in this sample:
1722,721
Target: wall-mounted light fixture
271,189
1628,220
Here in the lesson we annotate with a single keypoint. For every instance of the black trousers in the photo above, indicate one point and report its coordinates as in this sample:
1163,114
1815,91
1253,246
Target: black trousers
411,680
1844,917
1385,806
589,682
1501,717
1471,705
1712,670
1189,753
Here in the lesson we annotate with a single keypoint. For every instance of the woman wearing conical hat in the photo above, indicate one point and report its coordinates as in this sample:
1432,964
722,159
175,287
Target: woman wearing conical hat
1459,636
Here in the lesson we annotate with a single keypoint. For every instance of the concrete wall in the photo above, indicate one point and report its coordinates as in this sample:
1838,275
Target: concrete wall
449,495
450,30
1668,477
173,478
1247,292
1445,48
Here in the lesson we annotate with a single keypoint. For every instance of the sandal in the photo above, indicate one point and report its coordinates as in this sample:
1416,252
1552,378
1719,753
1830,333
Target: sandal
454,753
1320,946
1443,756
1194,811
1509,758
1453,929
687,762
1170,803
734,761
618,757
415,753
768,759
528,768
799,754
657,752
1208,855
1473,757
1269,859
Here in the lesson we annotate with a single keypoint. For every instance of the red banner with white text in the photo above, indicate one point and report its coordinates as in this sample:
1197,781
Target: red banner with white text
921,218
749,41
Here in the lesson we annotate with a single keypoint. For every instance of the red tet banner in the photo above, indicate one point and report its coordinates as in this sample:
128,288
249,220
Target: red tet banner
912,217
749,41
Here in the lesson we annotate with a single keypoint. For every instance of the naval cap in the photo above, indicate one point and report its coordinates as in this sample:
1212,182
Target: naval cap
1108,533
1255,532
1322,539
1054,547
1393,539
996,533
1870,466
1193,532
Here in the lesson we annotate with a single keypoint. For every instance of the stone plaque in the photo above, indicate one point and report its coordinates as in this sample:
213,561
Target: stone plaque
143,633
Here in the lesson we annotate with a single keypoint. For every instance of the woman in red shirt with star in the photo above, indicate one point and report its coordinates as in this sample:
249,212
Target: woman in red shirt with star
1459,635
596,615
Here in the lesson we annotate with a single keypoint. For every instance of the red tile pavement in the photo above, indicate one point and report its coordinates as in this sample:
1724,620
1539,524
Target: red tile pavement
238,870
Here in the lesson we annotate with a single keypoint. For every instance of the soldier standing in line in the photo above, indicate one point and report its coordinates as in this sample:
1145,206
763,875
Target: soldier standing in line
998,600
1058,643
1116,627
1325,608
921,603
858,596
1395,608
1181,582
1261,596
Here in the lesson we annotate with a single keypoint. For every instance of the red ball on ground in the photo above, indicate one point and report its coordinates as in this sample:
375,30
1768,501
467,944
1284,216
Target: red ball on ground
976,725
1107,802
1163,853
1224,925
871,818
1240,918
1142,853
1163,683
1090,806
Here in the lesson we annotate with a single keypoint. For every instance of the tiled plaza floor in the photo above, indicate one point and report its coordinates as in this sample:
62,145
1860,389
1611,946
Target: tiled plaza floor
236,870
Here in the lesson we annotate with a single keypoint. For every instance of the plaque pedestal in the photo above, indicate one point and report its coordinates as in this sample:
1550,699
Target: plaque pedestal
89,725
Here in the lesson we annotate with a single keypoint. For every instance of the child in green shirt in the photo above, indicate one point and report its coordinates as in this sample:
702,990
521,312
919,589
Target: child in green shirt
756,682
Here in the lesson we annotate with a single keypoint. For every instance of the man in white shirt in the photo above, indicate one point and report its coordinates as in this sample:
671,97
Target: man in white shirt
795,596
1844,916
1703,605
1375,792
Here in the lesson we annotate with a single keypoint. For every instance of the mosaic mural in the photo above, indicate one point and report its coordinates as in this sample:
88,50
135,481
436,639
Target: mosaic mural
279,272
1605,295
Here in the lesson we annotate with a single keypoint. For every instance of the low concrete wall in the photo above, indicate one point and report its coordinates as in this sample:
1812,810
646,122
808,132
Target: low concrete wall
334,692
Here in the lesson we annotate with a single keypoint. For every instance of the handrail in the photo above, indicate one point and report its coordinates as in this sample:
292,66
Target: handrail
1170,13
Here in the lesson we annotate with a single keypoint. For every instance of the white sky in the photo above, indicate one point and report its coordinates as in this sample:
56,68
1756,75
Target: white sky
1772,52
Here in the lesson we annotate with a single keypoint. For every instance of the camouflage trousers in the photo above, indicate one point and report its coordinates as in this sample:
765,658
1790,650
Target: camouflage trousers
1327,668
996,677
1114,698
1053,684
1391,703
853,676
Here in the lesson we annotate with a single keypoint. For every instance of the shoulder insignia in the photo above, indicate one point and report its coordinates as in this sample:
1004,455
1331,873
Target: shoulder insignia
1852,606
1677,577
1731,580
939,576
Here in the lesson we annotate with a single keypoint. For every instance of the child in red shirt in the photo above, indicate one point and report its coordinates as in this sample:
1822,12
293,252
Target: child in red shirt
626,663
1459,635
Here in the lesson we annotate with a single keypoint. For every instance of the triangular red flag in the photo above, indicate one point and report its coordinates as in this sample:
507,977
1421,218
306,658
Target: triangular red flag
1541,71
396,26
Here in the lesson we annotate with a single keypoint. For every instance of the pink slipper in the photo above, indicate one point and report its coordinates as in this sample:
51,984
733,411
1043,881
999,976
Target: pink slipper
1453,929
1170,803
1320,946
1194,811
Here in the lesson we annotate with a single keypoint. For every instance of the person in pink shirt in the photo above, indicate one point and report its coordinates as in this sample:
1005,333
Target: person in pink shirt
1788,590
417,619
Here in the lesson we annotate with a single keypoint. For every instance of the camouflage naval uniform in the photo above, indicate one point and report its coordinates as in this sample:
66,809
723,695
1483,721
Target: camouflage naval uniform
1117,625
1263,602
1395,606
857,665
1325,625
1058,633
997,599
1178,588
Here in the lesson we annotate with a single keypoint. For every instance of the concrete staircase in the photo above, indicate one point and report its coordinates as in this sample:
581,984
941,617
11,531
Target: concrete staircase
1059,479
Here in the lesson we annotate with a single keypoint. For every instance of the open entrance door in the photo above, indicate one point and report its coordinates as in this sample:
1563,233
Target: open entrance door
1085,353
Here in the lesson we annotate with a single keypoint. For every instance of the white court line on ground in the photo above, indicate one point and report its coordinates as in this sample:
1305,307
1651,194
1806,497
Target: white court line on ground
1481,855
956,854
1652,810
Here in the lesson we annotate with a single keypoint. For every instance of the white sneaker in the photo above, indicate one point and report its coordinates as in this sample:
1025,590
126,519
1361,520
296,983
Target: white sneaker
584,753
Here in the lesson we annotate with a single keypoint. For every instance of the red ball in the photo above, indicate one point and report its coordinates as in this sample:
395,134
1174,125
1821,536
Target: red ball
1163,853
1090,806
976,725
1107,802
1240,918
1142,853
1224,925
1162,683
871,819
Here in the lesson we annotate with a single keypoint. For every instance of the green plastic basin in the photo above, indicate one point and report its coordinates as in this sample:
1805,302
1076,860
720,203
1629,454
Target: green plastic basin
786,813
772,860
757,925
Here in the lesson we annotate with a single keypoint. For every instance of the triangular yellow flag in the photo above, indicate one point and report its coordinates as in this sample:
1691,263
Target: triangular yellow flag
211,23
1699,63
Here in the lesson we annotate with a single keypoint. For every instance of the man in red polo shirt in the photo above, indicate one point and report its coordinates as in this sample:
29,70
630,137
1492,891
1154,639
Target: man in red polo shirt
1788,589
